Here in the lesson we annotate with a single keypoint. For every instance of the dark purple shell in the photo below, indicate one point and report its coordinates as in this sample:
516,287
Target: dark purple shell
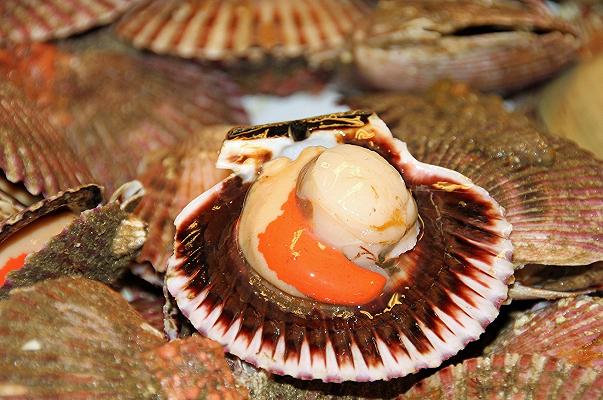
445,291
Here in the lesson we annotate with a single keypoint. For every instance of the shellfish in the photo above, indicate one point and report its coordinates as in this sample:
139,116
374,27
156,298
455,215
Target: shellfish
551,189
68,234
491,45
76,337
173,177
416,300
41,20
114,107
510,376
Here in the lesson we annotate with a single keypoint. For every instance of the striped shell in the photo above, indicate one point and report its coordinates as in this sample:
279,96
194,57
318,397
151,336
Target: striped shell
491,45
115,107
40,20
569,329
551,189
32,151
450,287
76,337
173,177
510,376
250,29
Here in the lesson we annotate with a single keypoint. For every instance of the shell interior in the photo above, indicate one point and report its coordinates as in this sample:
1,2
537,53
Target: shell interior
446,290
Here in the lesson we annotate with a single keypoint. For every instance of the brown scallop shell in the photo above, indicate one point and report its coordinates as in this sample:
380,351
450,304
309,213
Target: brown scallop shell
491,45
562,278
568,329
73,337
32,151
99,244
510,376
173,177
551,189
115,107
250,29
41,20
450,287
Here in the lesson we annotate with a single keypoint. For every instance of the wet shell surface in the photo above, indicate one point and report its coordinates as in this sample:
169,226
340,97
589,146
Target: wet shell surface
251,29
41,20
510,376
98,243
444,291
571,106
76,337
115,107
498,45
551,189
568,329
173,177
33,153
562,278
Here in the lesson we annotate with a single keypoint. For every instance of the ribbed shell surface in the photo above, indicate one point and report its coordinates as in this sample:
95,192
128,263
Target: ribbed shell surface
551,189
226,29
510,376
32,151
40,20
445,291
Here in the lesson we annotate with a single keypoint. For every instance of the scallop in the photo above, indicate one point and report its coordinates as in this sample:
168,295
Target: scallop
264,261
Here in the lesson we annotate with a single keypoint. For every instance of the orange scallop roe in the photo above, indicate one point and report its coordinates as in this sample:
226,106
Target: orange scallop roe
12,264
318,271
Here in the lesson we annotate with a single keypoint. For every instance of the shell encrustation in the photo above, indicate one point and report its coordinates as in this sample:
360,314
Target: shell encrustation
427,286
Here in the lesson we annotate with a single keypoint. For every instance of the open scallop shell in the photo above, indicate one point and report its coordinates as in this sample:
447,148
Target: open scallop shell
569,329
251,29
99,243
510,376
73,337
491,45
41,20
551,189
32,151
114,107
449,288
173,177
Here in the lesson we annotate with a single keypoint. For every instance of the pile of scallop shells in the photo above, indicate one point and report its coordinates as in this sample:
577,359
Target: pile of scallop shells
435,241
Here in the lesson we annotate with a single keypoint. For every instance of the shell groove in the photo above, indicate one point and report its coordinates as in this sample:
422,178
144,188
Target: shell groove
251,29
41,20
173,177
510,376
494,45
32,151
551,189
73,337
447,289
115,107
569,329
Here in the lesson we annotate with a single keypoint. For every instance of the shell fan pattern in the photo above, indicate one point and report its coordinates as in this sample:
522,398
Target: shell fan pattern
443,292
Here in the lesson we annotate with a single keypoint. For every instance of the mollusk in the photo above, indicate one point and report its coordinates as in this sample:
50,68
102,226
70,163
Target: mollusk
551,189
35,158
227,29
74,337
569,329
172,177
491,45
67,235
431,299
510,376
41,20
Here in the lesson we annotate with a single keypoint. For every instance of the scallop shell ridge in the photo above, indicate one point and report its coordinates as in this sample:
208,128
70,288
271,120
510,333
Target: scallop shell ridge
445,301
